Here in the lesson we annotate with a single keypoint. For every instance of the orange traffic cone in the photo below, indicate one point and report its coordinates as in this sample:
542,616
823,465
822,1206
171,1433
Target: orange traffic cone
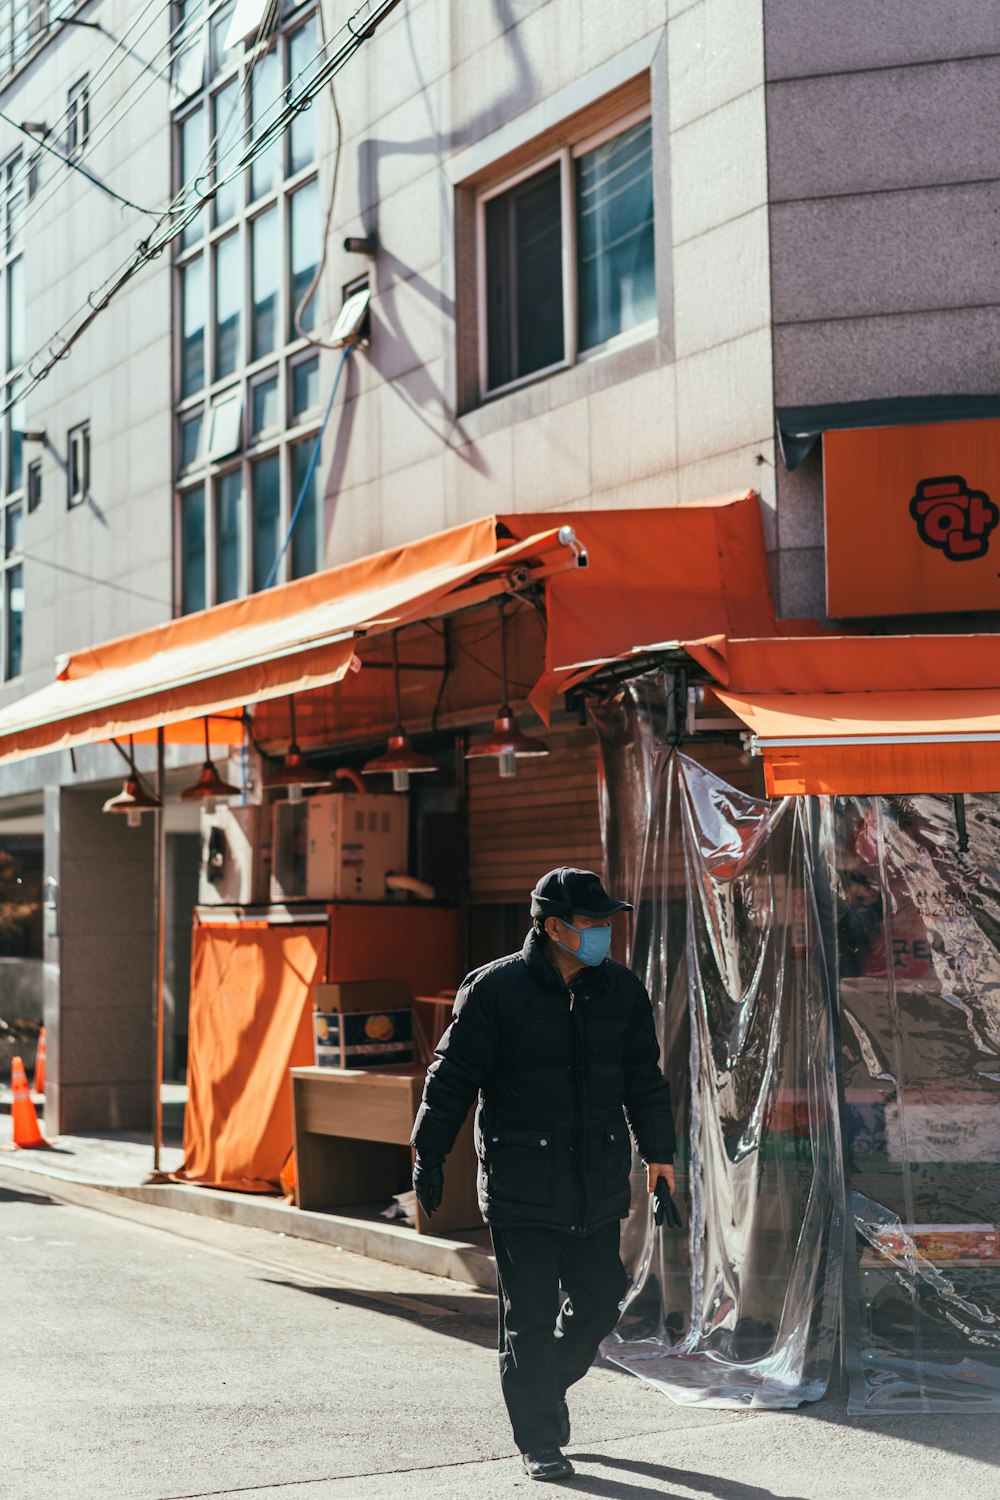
40,1064
26,1132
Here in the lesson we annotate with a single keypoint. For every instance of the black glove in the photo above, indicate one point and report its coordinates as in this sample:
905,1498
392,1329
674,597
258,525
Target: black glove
664,1207
428,1182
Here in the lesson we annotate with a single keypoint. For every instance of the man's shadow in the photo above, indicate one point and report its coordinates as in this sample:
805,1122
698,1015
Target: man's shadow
661,1475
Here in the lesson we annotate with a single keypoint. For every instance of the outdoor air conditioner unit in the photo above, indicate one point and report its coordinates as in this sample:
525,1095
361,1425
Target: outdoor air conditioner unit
289,838
338,847
235,856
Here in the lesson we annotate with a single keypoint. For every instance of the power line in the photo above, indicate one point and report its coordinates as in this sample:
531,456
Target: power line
77,166
129,263
126,51
106,583
119,109
359,28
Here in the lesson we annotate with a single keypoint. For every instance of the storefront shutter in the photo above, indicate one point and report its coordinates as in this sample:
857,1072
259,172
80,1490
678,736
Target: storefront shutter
546,815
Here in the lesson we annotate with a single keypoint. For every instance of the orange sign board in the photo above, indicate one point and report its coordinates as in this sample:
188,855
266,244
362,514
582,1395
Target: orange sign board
912,519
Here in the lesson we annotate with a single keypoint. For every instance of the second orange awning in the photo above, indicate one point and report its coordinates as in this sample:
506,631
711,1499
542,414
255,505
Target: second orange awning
866,715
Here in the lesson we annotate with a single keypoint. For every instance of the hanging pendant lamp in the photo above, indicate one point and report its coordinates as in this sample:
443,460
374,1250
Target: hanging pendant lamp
399,760
294,773
133,800
506,744
210,784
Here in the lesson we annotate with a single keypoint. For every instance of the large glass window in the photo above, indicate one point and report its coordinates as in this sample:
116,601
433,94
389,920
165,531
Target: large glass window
524,296
265,261
228,536
245,376
308,528
227,118
304,58
305,389
616,284
194,594
15,313
191,148
568,257
13,352
14,590
266,491
265,408
15,439
192,327
228,305
265,107
305,249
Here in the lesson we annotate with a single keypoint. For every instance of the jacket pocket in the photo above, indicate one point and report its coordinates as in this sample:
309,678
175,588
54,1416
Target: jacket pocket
616,1156
519,1165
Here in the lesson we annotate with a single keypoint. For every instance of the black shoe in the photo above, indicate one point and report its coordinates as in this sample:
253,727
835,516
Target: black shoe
547,1463
564,1430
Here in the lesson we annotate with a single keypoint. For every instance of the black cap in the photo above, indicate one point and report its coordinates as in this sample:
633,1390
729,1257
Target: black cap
562,892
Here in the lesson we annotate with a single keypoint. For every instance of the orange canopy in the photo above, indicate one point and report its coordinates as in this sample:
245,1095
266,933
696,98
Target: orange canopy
654,578
285,640
866,714
635,580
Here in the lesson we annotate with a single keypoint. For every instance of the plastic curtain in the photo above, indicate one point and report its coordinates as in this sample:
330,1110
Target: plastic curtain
741,1310
918,940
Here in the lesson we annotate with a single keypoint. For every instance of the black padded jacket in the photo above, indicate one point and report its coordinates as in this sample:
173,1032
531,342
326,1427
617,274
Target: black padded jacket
557,1071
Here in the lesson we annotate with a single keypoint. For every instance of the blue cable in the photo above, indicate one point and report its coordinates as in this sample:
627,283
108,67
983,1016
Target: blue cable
314,460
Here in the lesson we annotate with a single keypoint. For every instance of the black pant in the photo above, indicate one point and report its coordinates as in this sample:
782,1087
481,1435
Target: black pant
545,1347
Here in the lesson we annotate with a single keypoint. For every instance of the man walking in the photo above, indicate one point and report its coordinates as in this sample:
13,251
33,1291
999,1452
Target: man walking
558,1044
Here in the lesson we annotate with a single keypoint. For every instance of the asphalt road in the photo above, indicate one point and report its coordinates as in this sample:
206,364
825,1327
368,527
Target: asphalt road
148,1354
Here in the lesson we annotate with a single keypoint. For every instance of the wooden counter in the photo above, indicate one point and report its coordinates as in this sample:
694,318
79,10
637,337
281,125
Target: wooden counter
349,1125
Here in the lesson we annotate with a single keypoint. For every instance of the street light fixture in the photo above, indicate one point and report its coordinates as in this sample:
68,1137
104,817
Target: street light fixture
507,744
399,760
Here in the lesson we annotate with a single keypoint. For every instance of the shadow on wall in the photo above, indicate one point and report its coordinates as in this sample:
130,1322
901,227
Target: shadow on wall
428,402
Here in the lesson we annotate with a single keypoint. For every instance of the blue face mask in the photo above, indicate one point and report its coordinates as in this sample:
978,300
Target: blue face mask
595,943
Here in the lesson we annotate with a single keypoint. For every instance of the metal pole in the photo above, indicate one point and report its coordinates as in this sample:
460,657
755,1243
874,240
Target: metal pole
160,903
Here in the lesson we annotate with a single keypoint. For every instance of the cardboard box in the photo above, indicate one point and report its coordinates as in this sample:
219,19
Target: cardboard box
363,1039
362,995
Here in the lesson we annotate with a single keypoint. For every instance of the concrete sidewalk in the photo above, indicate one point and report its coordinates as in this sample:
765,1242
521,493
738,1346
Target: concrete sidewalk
121,1162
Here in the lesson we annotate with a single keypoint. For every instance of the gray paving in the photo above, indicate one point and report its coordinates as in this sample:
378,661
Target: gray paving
152,1355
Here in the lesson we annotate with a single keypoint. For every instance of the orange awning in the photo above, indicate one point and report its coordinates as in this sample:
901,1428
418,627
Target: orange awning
866,715
288,639
654,579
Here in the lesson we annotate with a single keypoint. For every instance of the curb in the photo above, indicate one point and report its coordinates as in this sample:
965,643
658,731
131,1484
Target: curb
455,1260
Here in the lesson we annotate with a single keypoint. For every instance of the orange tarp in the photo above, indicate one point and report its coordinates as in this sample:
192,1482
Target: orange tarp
866,714
250,1021
284,640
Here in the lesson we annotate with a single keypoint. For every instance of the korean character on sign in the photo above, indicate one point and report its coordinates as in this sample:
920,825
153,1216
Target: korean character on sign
954,518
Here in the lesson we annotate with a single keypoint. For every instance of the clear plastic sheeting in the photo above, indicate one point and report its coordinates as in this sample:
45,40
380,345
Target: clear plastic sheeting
918,943
741,1309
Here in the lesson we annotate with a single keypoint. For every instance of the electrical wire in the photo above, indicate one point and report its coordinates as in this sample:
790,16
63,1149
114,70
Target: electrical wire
130,266
77,166
119,588
161,6
484,666
94,140
171,226
116,113
310,290
311,468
